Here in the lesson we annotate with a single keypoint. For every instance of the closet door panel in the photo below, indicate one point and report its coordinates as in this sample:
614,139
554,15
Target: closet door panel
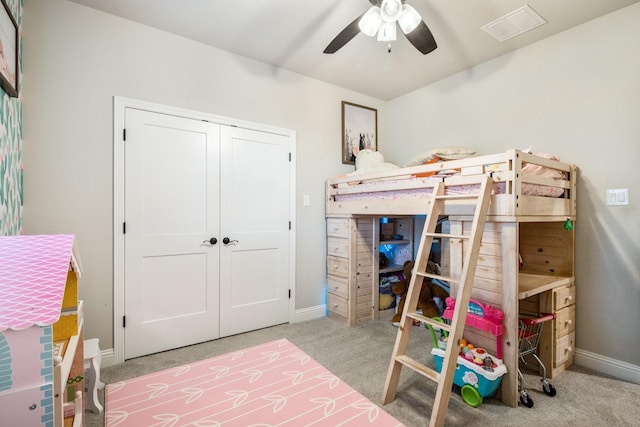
171,209
254,216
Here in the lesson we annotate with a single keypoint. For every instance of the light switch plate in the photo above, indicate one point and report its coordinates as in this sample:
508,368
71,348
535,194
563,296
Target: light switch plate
618,197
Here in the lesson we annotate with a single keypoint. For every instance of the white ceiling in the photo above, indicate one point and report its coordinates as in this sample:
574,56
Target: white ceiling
292,34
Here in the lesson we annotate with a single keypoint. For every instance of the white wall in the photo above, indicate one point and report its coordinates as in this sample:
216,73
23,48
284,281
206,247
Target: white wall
577,95
76,59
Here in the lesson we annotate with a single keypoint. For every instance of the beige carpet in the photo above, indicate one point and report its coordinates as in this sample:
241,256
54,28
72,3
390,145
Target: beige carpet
360,357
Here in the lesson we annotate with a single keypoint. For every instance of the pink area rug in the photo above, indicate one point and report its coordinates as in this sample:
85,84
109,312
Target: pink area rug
273,384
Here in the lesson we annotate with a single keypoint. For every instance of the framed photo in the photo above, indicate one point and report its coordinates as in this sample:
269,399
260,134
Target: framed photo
8,51
359,130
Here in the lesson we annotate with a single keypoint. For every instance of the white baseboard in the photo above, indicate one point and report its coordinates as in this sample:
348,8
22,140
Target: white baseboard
108,358
616,368
310,313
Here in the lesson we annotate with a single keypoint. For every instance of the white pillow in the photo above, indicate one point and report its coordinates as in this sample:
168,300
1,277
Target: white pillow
444,153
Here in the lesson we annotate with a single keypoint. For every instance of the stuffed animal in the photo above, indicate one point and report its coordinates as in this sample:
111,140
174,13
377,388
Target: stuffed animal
370,161
385,301
429,290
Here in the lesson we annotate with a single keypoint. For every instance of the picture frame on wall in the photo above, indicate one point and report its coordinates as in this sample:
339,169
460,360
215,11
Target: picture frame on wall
8,51
359,130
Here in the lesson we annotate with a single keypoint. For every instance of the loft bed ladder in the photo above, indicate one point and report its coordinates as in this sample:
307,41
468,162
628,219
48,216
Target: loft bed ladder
444,378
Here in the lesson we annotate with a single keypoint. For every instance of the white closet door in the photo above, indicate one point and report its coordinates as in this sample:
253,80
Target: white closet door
254,216
171,208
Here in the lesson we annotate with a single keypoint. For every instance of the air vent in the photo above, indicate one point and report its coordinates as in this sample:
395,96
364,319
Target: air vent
514,23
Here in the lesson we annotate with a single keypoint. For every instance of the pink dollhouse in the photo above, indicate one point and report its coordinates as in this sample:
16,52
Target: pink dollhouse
40,331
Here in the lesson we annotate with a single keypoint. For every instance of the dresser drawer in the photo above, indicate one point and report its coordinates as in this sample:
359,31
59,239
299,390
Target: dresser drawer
337,305
565,347
338,247
337,266
564,297
338,286
558,298
565,321
338,227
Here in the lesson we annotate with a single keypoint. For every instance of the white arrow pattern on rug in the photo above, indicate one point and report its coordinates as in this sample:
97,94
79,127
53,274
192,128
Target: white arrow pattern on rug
240,397
296,376
254,374
220,371
166,420
158,389
193,393
280,402
329,404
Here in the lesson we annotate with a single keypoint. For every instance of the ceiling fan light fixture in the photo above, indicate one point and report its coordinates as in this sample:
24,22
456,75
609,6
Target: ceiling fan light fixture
370,21
391,10
387,32
409,19
381,18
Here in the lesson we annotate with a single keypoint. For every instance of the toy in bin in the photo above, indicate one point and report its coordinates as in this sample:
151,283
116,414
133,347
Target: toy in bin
478,373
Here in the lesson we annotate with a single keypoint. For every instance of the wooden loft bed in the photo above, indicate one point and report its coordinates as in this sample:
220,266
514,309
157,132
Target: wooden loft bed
403,191
526,257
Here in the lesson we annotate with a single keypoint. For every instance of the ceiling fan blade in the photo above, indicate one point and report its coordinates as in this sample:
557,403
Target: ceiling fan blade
344,37
422,39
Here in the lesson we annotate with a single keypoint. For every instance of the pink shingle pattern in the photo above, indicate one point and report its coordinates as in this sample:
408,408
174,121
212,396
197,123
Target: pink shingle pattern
33,274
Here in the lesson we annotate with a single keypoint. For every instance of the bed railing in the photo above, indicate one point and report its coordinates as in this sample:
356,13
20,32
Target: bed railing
402,191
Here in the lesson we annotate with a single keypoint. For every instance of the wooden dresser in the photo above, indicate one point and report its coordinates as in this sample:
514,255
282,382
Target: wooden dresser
41,338
557,343
350,268
353,272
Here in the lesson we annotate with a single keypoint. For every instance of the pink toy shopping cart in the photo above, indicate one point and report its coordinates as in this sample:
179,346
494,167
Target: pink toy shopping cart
528,340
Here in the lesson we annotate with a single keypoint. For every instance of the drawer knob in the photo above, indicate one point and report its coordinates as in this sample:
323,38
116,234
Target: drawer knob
32,407
569,350
568,322
568,298
335,305
335,286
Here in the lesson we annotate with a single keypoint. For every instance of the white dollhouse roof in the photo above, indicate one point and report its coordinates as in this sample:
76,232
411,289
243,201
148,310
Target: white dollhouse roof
33,274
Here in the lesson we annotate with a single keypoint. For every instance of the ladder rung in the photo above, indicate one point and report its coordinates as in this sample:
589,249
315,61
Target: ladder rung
456,196
419,367
433,322
448,236
438,277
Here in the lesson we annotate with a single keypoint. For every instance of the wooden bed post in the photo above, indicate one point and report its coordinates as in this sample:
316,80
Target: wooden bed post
509,255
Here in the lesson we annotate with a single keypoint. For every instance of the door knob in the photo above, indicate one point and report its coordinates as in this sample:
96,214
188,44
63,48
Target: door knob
212,241
226,241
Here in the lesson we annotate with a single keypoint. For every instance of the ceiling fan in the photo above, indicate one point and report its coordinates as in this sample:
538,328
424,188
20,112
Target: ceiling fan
381,18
